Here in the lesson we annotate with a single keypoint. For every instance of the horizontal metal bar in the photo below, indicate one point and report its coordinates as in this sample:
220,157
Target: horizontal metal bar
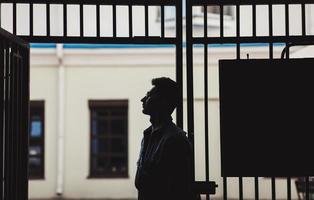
248,2
96,2
101,40
261,39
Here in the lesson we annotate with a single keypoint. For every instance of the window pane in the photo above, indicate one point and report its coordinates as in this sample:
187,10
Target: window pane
118,112
118,145
35,166
99,123
36,128
119,164
118,126
34,150
100,145
101,164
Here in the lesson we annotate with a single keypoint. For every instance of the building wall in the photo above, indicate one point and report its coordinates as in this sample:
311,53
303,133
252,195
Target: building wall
43,86
102,74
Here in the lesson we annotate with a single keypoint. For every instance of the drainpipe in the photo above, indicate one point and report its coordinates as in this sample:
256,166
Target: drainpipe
60,122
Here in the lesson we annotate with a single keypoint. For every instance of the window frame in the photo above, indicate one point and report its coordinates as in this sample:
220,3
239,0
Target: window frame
38,104
93,104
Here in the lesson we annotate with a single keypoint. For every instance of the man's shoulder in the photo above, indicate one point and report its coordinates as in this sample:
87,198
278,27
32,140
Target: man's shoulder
173,133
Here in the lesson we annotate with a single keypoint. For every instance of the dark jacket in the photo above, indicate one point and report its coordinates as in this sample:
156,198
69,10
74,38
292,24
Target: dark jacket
164,165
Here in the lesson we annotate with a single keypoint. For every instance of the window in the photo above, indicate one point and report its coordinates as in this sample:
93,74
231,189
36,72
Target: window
109,138
36,140
216,10
212,10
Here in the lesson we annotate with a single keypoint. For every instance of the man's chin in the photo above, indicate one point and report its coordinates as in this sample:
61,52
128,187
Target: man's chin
145,112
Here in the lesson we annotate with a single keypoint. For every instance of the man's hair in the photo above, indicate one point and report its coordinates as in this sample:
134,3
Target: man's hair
169,90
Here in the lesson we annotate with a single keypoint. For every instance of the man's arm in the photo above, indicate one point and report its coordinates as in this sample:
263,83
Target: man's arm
178,152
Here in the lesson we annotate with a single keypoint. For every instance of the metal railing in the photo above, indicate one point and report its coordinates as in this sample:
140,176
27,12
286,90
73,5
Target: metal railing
14,94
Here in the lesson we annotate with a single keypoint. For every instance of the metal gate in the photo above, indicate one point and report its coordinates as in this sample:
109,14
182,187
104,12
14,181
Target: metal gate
237,40
14,94
205,41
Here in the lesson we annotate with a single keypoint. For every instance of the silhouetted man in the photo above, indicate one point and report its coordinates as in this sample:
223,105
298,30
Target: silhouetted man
165,164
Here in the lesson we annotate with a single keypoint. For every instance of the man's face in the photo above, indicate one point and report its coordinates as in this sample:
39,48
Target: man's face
151,102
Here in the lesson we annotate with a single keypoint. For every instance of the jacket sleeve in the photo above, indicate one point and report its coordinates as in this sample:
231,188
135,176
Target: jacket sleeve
178,156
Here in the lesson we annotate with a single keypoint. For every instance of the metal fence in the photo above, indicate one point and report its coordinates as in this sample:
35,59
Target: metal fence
14,94
205,41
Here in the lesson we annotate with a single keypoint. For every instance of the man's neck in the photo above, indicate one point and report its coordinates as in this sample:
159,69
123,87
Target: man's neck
158,121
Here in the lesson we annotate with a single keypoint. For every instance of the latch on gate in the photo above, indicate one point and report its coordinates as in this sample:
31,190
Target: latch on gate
204,187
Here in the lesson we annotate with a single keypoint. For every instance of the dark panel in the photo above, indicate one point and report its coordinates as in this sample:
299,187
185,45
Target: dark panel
266,117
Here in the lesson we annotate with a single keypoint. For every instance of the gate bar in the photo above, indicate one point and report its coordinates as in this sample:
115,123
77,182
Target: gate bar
256,184
1,117
81,20
65,21
206,101
273,188
114,21
47,19
240,188
303,19
31,17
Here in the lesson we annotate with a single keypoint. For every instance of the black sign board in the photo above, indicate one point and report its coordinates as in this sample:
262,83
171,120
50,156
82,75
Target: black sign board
267,117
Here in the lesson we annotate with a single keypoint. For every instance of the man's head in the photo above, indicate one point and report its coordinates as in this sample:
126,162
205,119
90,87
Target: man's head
163,98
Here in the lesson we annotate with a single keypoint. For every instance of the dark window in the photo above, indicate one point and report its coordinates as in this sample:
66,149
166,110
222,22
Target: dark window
109,138
36,140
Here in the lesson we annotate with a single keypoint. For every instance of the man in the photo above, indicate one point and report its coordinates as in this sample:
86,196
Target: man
165,161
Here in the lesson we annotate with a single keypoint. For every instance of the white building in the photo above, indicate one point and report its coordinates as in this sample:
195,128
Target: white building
85,99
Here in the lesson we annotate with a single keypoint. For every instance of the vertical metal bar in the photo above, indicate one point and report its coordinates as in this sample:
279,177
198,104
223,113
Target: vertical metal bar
81,20
31,16
206,100
162,20
256,188
288,188
17,127
225,188
25,112
1,116
254,19
65,20
97,20
114,20
189,68
7,119
270,19
303,19
179,61
307,188
240,188
146,20
48,19
221,20
273,188
20,130
287,34
13,126
130,20
287,18
0,13
14,18
8,156
238,30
